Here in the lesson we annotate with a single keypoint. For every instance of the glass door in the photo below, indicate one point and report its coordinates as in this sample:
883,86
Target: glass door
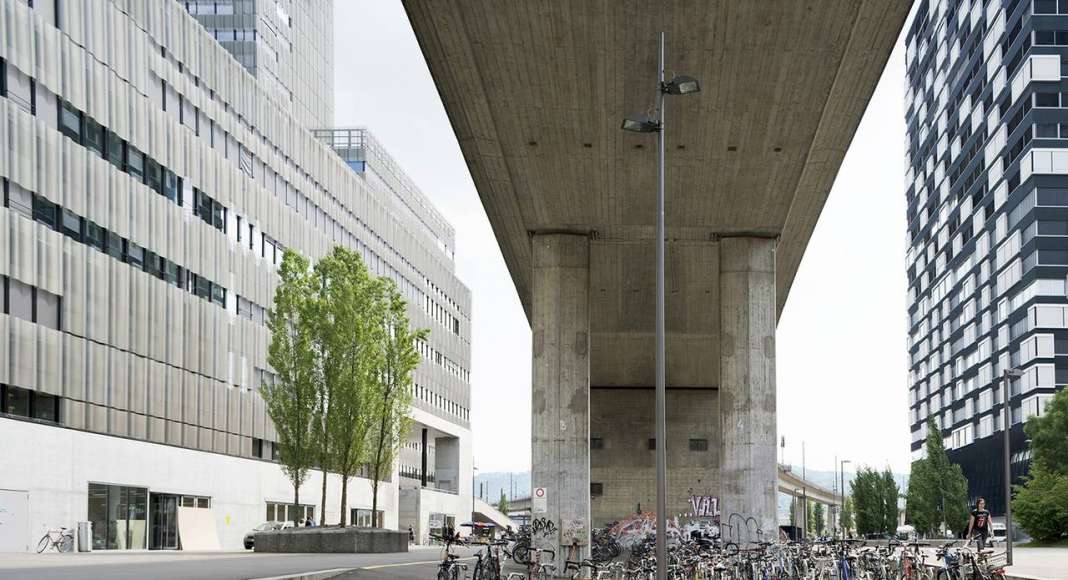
163,529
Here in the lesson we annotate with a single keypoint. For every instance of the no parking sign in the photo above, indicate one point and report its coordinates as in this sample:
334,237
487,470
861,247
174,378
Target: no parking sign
539,501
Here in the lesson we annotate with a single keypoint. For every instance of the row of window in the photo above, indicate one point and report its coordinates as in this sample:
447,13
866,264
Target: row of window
30,404
86,131
695,444
424,394
87,232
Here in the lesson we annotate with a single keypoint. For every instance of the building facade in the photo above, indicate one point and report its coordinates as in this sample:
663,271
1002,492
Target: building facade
987,194
151,184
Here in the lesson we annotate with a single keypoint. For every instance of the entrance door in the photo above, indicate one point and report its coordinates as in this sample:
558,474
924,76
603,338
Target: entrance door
14,521
163,527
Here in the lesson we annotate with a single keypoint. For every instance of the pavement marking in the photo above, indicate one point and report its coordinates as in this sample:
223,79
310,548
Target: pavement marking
409,564
317,573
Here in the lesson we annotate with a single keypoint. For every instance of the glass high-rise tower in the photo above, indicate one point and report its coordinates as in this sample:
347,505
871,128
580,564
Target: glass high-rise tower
986,179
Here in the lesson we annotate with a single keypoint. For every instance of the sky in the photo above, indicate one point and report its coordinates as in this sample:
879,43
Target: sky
841,339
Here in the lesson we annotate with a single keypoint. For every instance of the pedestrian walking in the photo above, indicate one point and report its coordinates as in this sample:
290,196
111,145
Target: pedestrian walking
979,523
411,535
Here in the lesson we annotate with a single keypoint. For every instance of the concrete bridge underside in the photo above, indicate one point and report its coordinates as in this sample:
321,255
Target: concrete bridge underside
535,91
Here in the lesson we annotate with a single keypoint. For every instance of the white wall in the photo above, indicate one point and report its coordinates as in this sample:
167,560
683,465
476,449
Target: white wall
56,465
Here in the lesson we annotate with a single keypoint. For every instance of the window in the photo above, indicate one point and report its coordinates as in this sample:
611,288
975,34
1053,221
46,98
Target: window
46,309
95,236
70,122
72,225
112,509
19,299
153,175
257,448
116,149
135,163
596,489
30,404
287,512
116,245
94,137
44,211
135,255
698,444
1047,99
152,264
596,443
652,444
172,186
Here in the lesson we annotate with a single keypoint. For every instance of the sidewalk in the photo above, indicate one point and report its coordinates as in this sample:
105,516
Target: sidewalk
1039,563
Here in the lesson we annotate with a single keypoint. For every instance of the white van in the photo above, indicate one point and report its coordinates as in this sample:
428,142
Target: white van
997,535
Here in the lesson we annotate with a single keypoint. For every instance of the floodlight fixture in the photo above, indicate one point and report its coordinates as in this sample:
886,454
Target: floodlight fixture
640,124
681,85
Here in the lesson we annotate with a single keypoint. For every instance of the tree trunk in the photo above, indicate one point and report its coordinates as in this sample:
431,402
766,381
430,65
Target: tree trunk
377,472
344,497
322,511
296,498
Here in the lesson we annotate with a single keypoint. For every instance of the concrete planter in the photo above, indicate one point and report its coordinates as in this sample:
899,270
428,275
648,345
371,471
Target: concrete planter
349,540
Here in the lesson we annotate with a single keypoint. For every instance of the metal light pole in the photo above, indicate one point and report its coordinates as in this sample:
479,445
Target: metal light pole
661,380
1006,427
680,85
804,492
841,506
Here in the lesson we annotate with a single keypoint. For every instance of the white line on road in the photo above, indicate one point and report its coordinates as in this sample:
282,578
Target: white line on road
316,574
410,564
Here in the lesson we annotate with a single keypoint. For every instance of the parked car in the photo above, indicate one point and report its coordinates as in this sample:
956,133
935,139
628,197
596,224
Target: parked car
998,535
250,538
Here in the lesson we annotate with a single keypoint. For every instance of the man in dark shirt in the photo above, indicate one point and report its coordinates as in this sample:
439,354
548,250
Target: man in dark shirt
979,523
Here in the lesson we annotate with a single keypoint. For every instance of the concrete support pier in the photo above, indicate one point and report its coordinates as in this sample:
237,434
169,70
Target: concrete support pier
561,388
748,469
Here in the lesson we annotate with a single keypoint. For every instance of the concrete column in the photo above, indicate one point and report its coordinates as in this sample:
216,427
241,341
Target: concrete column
561,386
747,382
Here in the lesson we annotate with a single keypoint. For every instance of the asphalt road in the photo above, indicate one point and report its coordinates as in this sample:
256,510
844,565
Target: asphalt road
420,563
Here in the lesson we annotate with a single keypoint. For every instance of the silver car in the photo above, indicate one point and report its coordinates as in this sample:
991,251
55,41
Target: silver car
250,538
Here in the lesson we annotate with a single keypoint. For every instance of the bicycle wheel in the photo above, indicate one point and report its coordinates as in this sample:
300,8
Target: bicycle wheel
44,543
521,554
454,572
66,544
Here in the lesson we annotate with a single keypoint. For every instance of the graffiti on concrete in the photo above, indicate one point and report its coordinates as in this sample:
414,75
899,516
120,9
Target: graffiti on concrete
704,506
542,527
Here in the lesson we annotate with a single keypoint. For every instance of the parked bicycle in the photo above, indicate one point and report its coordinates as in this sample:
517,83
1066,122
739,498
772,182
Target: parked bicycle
450,568
61,540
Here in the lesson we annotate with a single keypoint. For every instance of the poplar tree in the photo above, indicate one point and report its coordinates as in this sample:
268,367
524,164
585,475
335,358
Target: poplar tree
937,496
399,357
291,399
350,329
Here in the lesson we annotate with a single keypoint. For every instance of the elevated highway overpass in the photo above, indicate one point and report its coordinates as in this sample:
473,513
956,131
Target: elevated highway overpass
535,91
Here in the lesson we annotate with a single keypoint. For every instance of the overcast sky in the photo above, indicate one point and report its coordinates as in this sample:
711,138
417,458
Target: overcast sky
841,338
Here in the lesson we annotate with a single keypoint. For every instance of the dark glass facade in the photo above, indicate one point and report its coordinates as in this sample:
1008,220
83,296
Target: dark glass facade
987,208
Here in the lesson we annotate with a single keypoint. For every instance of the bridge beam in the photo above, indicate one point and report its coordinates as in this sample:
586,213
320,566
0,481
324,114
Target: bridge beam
749,470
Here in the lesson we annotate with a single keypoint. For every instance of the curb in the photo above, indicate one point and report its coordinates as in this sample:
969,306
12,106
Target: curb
318,575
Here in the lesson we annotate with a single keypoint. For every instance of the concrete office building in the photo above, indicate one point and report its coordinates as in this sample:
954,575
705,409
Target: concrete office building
150,185
987,186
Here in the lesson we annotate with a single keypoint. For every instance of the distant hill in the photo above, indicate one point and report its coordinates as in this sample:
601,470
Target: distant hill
514,484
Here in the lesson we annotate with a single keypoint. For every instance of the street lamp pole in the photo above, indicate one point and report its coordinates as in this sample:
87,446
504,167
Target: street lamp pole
679,85
661,375
1006,426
